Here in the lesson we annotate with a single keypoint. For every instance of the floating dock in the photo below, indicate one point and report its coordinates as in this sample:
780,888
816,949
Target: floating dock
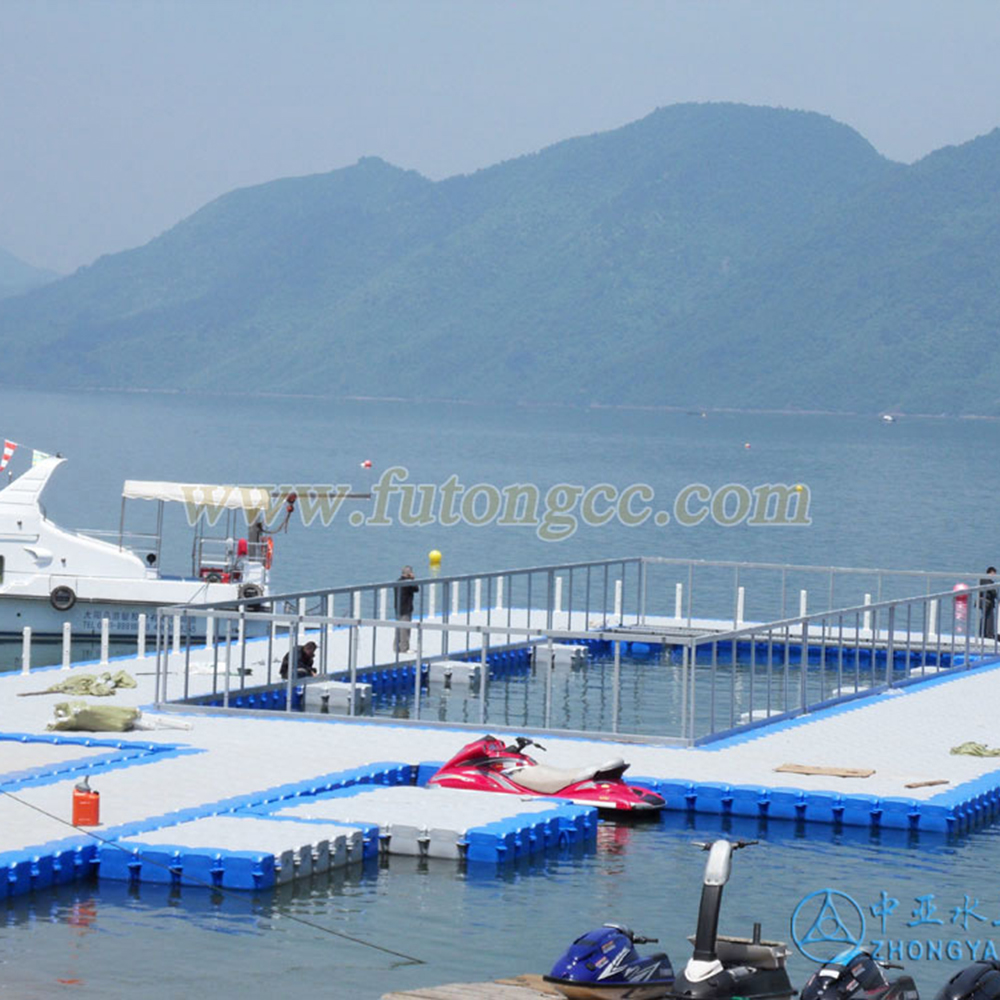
251,799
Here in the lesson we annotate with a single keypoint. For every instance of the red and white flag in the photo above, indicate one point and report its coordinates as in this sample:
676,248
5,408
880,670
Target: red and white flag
9,447
366,464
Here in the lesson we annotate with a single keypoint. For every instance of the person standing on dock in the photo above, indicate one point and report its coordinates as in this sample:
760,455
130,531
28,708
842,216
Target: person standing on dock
404,608
988,606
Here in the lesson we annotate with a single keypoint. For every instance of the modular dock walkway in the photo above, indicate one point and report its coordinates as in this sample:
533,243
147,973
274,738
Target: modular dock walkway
250,799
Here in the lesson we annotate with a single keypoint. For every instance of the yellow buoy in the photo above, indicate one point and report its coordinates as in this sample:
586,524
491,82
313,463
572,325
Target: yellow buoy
434,558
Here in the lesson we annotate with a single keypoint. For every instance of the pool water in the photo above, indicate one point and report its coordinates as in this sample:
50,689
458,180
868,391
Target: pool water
651,691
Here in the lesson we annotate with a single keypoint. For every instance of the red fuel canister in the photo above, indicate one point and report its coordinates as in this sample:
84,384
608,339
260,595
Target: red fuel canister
86,805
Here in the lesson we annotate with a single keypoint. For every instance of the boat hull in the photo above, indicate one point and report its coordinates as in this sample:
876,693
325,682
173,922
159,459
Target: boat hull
85,619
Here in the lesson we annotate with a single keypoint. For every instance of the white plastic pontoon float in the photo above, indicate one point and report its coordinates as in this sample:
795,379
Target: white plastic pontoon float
50,575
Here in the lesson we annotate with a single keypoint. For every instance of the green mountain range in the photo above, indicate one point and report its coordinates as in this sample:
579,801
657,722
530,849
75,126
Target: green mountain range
707,255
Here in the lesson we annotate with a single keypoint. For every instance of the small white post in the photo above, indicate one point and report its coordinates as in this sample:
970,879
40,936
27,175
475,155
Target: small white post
210,631
105,630
357,605
300,631
557,603
679,600
241,628
383,603
867,616
177,634
26,650
478,598
329,628
499,593
432,600
803,603
140,637
67,649
618,599
740,605
454,597
932,618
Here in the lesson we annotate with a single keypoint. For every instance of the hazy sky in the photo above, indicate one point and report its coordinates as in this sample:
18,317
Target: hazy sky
120,117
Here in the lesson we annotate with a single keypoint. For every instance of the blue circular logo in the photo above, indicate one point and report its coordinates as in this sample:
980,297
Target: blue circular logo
827,916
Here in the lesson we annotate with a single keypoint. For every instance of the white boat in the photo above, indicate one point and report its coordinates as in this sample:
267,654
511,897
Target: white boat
50,575
888,418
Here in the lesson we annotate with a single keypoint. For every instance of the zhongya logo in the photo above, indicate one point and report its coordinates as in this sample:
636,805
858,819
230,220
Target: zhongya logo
827,916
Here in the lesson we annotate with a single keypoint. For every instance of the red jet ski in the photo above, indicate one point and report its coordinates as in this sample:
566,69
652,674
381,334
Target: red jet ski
488,765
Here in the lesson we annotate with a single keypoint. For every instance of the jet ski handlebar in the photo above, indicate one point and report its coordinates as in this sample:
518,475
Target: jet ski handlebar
521,742
734,844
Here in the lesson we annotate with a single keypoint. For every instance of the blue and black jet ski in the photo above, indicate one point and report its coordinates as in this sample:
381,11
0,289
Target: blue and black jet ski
603,963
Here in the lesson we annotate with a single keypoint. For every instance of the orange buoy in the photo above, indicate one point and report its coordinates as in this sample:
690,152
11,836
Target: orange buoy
86,805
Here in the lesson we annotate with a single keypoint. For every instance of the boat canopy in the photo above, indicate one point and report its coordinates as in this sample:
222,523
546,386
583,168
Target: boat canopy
253,498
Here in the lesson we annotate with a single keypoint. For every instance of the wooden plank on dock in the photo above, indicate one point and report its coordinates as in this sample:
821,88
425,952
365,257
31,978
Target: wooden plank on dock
525,987
837,772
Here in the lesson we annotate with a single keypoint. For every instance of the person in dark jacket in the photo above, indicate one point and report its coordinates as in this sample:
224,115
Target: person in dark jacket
988,606
404,609
307,654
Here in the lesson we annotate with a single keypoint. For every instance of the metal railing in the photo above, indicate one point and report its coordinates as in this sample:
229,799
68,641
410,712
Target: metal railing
655,671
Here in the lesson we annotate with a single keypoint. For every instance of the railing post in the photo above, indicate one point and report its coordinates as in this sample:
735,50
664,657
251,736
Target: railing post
432,600
684,691
932,613
140,638
890,649
67,645
158,692
26,650
293,660
177,633
559,595
353,662
241,642
105,626
803,603
867,617
643,570
328,648
549,667
499,593
229,661
615,701
618,602
478,590
554,587
417,667
678,601
740,605
804,665
484,670
210,631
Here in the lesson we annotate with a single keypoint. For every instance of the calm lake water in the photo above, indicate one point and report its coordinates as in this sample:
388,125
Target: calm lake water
916,494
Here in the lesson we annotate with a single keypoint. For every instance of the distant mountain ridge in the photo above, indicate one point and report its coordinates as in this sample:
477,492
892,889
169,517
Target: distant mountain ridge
16,276
705,255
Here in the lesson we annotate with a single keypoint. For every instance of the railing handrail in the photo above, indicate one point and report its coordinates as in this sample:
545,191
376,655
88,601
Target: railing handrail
823,616
804,567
